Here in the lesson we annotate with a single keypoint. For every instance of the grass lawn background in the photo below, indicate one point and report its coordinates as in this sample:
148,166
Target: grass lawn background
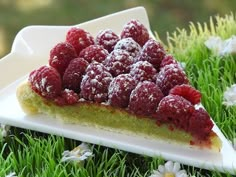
31,153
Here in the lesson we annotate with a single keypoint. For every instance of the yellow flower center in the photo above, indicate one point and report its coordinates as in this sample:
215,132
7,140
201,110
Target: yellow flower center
169,174
76,149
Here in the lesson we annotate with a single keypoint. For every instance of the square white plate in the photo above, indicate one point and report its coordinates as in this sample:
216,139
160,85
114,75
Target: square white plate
31,49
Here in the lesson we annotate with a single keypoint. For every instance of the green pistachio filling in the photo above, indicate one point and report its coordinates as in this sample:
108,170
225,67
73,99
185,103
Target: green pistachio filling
99,115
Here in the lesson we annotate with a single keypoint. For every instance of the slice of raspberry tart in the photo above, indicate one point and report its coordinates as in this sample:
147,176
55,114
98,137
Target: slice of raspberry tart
125,83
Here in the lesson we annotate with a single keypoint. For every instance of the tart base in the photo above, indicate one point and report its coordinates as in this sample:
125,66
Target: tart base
111,119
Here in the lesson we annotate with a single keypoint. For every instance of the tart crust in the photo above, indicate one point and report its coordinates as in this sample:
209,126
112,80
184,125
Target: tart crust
110,119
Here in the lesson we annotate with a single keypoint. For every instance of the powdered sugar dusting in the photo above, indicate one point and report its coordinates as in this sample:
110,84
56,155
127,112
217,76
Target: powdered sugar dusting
94,85
153,52
145,98
81,41
135,30
143,70
46,82
54,59
130,25
120,89
170,76
94,53
129,45
43,81
118,62
108,39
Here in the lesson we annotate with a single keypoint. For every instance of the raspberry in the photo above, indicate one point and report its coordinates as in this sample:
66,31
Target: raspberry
118,62
67,97
129,45
74,73
145,98
143,70
168,59
95,68
200,124
153,52
94,53
170,76
108,39
46,81
120,89
175,110
61,55
94,85
79,38
188,92
135,30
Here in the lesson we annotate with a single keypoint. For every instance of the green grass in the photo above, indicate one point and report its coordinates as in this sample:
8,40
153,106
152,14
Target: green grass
31,153
34,154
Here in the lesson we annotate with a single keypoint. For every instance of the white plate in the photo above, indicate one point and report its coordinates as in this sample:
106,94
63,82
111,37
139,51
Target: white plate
31,49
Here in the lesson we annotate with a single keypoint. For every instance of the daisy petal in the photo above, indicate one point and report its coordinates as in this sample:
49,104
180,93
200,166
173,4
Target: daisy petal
12,174
80,153
229,46
214,43
181,173
156,173
169,169
169,166
176,167
161,168
85,155
230,96
4,129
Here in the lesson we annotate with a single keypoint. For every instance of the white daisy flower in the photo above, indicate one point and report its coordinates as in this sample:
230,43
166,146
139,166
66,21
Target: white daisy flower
230,96
12,174
221,47
170,169
215,43
229,46
78,154
4,130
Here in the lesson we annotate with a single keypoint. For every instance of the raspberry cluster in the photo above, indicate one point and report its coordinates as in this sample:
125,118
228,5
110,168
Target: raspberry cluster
130,71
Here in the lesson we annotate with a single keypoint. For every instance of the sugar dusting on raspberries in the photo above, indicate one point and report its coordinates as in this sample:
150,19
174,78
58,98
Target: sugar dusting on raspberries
200,124
129,45
46,81
143,70
188,92
135,30
108,39
96,68
67,97
175,110
120,89
94,53
145,98
61,55
118,62
170,76
153,52
74,73
94,85
79,38
167,60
